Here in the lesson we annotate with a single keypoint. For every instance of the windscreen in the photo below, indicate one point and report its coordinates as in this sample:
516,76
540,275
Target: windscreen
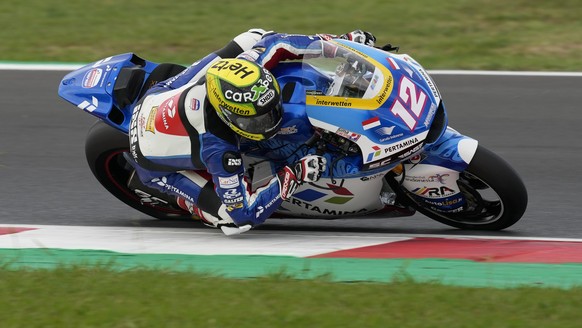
350,75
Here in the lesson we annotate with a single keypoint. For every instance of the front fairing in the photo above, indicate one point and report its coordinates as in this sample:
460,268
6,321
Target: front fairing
372,116
384,103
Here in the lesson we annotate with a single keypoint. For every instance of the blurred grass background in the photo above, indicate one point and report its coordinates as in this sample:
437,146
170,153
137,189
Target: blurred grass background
78,297
448,34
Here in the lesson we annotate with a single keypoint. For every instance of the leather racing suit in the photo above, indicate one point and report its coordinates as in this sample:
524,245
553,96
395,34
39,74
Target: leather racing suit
182,148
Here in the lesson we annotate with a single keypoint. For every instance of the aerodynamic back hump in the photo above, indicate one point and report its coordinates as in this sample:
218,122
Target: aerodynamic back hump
91,88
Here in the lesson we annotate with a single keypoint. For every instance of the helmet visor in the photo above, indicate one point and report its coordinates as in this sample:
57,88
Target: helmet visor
260,124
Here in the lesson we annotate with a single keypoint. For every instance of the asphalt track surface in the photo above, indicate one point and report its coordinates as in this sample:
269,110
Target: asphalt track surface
533,122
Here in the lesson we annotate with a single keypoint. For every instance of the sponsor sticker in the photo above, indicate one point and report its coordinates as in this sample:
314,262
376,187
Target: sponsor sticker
228,182
141,125
434,192
288,130
270,95
133,133
167,120
376,152
417,158
92,78
231,161
385,131
195,104
334,102
151,123
374,81
352,136
436,178
233,207
232,194
237,200
234,162
241,71
402,145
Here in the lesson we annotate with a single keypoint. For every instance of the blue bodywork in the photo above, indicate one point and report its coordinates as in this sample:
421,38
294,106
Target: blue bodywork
91,88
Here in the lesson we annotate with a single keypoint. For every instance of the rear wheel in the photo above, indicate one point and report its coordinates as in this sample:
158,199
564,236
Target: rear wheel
104,148
495,194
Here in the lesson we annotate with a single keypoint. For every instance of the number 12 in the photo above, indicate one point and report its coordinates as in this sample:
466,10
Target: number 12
412,104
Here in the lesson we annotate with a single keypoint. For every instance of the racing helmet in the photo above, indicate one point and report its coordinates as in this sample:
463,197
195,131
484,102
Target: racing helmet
246,97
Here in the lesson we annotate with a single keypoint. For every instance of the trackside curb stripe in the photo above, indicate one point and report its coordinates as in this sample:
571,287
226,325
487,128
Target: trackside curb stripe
13,230
453,260
480,250
448,272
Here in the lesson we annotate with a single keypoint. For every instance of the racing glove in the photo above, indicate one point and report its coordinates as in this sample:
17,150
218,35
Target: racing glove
360,36
307,169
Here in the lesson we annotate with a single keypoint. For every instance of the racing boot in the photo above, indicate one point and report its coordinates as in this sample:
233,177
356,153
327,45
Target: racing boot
197,214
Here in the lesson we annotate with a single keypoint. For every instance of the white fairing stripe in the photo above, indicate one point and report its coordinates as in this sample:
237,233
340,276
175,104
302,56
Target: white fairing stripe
467,148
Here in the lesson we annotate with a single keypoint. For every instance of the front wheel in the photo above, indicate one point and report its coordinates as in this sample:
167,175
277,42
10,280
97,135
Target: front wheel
104,148
495,195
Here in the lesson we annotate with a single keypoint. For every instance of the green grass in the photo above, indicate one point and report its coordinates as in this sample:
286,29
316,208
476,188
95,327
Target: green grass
448,34
99,297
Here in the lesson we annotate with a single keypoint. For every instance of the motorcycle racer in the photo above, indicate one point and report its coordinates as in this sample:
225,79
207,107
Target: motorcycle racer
185,132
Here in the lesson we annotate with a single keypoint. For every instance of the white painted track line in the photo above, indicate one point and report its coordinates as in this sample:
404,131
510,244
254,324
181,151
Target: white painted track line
73,66
207,241
186,241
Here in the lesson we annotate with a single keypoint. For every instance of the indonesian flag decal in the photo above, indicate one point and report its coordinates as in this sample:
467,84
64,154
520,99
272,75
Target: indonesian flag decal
371,123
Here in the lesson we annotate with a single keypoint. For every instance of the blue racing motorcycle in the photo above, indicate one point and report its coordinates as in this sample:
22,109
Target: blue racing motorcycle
377,117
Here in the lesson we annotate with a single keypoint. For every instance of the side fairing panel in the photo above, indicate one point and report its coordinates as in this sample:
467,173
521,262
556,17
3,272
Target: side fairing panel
432,176
452,150
329,198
